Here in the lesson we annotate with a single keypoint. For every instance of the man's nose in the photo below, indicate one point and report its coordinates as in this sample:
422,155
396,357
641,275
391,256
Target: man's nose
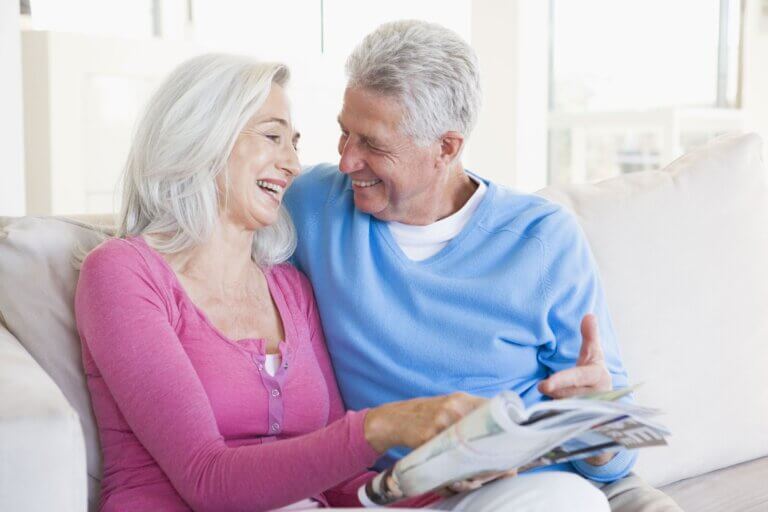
350,158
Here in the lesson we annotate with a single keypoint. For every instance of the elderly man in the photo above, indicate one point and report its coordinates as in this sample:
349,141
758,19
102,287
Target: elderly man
432,279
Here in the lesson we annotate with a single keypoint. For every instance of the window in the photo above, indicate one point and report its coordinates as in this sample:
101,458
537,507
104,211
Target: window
636,83
116,18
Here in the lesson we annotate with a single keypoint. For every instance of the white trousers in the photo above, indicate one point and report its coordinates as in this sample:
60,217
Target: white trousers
546,491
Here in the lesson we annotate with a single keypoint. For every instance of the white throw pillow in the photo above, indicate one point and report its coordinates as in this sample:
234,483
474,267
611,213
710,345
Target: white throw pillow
683,254
37,286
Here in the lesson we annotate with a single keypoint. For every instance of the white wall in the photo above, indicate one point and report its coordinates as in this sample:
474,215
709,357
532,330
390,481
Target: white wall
346,22
12,196
83,91
509,144
82,97
316,50
755,72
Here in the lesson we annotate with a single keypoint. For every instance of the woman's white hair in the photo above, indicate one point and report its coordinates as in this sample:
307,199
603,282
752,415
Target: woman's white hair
183,142
430,70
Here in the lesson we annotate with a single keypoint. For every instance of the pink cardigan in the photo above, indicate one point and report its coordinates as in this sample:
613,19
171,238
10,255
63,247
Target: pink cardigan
189,418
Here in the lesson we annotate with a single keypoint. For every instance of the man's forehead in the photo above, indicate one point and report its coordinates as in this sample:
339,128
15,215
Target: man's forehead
371,114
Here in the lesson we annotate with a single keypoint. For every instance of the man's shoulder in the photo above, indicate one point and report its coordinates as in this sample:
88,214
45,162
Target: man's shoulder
528,214
314,188
323,175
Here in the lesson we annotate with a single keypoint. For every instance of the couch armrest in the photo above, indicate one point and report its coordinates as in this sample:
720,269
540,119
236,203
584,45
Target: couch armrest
42,449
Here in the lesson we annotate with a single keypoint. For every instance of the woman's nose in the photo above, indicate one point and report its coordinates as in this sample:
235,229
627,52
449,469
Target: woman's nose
291,162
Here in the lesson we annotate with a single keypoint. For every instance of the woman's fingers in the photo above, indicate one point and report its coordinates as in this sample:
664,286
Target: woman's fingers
413,422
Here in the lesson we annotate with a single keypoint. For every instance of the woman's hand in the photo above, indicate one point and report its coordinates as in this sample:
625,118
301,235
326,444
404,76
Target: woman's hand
413,422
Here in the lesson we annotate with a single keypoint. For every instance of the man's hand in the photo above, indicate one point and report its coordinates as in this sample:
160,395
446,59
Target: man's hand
590,374
474,483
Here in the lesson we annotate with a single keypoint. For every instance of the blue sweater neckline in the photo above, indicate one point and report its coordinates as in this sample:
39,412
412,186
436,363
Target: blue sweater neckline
482,210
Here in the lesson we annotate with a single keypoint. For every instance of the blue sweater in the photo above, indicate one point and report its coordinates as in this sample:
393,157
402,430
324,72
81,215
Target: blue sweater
498,308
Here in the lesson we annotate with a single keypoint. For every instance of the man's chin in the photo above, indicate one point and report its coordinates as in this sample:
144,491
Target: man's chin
368,206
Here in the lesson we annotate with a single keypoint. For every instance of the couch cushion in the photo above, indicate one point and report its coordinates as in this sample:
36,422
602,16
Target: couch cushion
41,439
683,254
37,285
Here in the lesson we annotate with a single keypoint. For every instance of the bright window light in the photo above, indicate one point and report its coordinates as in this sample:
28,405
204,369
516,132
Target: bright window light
630,54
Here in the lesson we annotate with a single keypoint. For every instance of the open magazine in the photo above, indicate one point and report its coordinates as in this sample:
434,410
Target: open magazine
503,434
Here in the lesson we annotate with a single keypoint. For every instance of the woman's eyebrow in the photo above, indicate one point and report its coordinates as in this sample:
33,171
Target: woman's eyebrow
279,120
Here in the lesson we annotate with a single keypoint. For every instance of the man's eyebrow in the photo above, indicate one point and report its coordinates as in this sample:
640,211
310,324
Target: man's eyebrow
366,138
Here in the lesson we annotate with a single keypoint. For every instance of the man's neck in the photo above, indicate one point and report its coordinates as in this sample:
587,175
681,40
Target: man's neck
452,195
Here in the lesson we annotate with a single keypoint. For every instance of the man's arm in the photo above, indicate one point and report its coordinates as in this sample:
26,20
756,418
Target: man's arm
582,355
590,375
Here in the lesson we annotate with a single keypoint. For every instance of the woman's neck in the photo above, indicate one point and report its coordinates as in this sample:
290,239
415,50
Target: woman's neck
223,261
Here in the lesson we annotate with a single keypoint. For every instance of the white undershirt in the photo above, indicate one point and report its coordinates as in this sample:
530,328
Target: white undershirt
422,242
272,363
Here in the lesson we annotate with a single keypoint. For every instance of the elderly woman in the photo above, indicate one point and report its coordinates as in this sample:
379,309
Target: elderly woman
204,352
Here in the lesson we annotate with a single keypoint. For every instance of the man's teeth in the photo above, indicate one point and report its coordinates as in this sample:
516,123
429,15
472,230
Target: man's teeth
363,184
269,186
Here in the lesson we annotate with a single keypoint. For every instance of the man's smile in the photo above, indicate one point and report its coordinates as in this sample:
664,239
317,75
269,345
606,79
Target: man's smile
365,183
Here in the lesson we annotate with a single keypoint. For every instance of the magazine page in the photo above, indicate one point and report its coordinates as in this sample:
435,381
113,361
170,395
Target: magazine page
611,436
503,435
448,456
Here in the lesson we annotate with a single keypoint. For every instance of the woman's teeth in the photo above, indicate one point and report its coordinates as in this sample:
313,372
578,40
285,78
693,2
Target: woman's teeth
271,187
365,184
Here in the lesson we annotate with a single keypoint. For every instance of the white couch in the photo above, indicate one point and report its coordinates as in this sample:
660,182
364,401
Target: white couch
683,254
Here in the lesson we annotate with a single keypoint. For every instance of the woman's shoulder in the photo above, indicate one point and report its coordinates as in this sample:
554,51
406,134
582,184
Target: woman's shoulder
295,287
118,258
115,252
292,280
123,269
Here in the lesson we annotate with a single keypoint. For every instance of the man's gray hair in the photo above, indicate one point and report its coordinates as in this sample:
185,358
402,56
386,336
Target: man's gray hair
183,142
430,70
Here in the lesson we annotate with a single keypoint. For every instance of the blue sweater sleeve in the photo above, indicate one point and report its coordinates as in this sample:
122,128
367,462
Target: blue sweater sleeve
618,467
572,289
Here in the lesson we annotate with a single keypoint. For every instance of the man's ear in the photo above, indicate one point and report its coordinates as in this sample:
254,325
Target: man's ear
451,144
